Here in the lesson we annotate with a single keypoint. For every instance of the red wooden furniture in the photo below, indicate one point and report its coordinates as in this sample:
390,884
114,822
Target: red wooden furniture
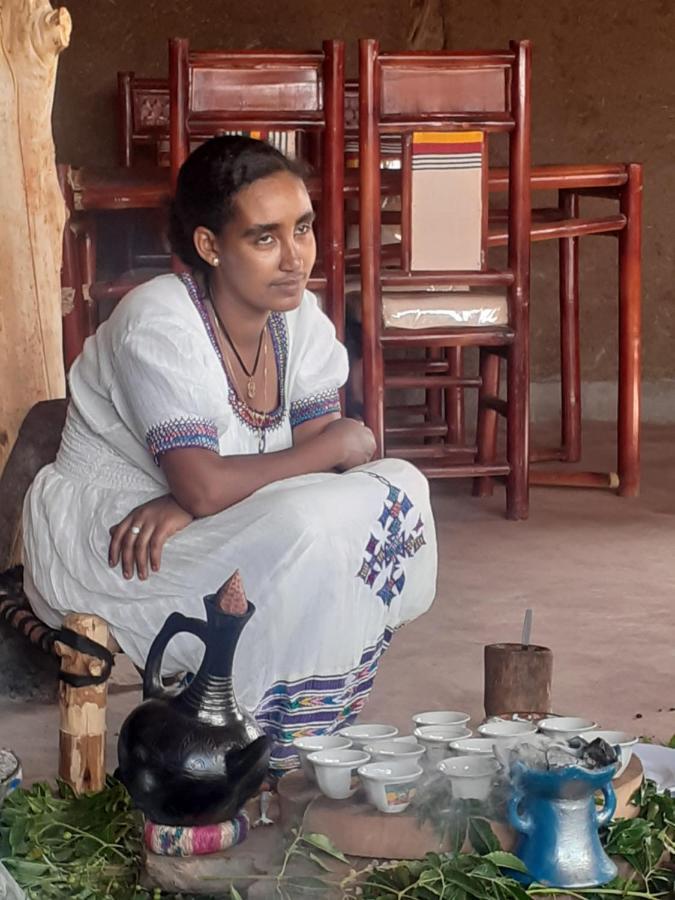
75,309
143,139
299,93
622,183
566,224
210,92
143,118
408,93
144,127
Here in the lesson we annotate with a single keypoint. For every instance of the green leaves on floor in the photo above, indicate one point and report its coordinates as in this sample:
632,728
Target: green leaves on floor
62,847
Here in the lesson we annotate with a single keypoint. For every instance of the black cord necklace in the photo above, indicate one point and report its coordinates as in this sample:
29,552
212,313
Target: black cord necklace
250,385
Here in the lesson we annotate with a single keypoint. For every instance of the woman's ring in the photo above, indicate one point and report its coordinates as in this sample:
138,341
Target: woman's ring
135,529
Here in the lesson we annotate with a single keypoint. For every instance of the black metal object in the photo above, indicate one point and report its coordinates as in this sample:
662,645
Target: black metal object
193,757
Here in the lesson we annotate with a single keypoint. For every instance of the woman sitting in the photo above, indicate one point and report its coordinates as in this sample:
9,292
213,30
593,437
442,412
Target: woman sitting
204,435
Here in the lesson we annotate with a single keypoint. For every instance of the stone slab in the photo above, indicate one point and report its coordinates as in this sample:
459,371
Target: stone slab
360,830
356,828
260,855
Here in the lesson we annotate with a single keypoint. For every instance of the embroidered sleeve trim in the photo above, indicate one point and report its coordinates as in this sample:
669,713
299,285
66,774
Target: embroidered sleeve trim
314,406
184,431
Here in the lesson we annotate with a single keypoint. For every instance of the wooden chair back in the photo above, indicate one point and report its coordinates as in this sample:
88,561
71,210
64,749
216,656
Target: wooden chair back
429,96
143,117
448,101
300,94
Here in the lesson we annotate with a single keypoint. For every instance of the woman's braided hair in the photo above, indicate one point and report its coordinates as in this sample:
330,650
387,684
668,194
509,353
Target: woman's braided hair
208,182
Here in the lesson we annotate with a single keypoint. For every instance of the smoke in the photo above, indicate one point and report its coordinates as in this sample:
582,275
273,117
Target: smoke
455,817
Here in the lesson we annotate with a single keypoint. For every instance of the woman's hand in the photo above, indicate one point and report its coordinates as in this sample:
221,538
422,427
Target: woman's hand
354,443
141,535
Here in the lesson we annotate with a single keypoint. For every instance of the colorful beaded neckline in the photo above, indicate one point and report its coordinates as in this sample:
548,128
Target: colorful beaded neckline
277,328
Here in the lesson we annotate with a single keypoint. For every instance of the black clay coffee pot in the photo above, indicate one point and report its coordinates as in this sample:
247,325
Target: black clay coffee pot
195,757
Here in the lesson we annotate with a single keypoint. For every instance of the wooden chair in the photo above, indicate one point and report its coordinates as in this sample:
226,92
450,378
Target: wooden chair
142,118
143,106
448,94
293,93
567,223
143,140
284,96
75,308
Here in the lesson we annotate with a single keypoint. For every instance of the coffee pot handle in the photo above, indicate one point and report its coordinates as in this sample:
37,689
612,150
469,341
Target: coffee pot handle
521,821
175,624
604,816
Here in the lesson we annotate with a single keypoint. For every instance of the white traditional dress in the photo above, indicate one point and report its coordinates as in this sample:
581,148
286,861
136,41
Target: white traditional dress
334,563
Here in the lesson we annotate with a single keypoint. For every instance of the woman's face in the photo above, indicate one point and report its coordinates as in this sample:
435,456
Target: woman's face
267,249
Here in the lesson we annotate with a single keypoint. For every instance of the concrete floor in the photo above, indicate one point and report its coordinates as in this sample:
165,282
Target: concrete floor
598,571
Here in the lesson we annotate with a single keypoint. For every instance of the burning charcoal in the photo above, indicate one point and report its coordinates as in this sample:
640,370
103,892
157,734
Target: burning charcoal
577,746
545,754
594,754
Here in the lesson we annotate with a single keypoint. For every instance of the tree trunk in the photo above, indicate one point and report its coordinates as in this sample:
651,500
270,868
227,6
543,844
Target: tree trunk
32,34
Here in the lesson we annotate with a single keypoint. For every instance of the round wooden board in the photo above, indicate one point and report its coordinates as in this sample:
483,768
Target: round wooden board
358,829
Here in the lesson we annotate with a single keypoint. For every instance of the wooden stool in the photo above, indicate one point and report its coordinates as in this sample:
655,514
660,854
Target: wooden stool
83,644
83,697
86,651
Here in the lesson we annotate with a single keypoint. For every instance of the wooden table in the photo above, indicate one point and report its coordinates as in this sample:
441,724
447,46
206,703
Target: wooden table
114,188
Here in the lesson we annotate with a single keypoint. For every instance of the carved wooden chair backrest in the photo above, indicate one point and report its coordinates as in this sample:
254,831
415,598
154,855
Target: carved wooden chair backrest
143,118
291,97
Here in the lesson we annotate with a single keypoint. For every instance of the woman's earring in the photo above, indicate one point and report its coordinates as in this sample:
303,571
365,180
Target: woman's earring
215,262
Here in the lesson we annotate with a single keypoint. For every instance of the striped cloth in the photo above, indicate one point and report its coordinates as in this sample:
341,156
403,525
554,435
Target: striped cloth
199,840
284,141
447,201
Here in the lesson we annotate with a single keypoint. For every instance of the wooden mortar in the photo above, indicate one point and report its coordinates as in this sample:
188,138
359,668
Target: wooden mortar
517,679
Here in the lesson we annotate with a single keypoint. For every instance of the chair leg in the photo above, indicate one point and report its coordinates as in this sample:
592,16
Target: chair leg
518,426
454,398
75,321
87,253
433,399
630,259
82,730
373,389
570,368
486,429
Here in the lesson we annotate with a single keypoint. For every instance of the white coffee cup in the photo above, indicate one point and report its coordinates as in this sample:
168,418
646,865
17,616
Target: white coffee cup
336,771
621,739
566,727
436,739
499,730
473,746
396,748
390,785
441,717
307,745
360,735
471,776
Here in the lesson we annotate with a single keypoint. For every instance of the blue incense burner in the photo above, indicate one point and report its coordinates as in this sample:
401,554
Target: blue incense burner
555,814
